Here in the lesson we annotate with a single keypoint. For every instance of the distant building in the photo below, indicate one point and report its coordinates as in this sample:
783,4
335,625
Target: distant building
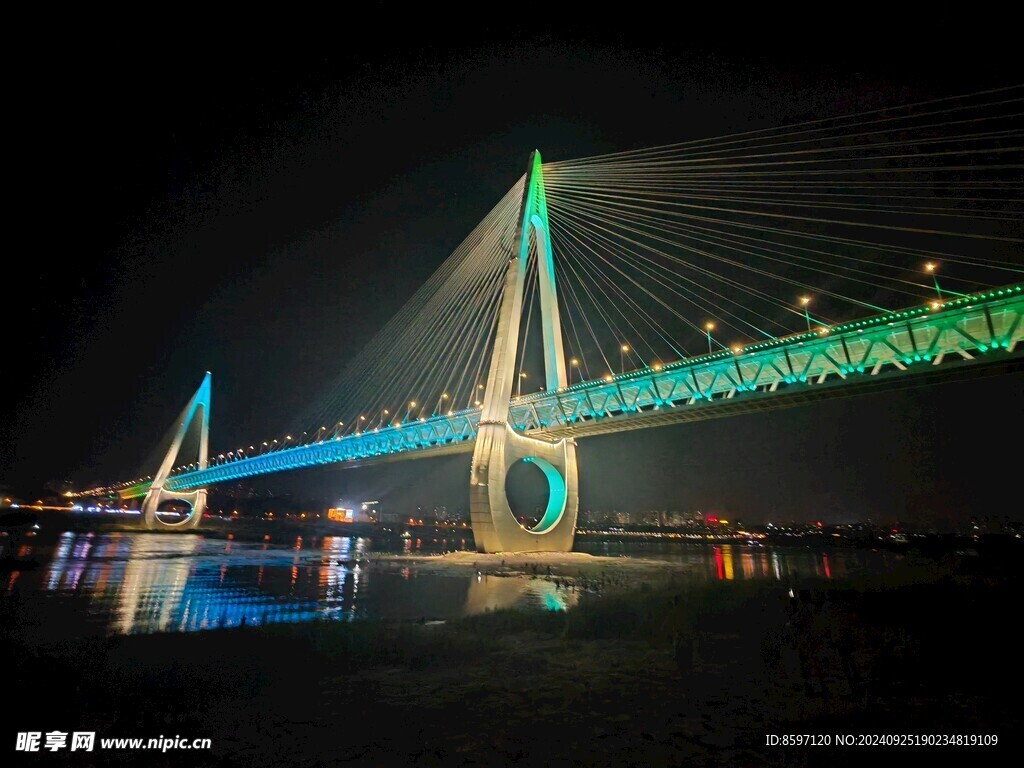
341,515
364,512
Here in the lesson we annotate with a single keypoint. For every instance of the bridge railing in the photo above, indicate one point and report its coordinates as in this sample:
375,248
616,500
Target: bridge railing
963,329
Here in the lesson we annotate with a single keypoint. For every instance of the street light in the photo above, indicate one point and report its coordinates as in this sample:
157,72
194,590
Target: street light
622,357
519,384
575,364
709,328
805,300
441,399
932,268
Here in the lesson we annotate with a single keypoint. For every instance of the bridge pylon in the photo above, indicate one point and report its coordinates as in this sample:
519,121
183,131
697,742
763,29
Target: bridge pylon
498,445
198,406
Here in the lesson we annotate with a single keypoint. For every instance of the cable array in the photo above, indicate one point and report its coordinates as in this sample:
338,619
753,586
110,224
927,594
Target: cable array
665,252
430,358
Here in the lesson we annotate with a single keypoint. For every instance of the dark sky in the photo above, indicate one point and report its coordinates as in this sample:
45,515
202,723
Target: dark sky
260,209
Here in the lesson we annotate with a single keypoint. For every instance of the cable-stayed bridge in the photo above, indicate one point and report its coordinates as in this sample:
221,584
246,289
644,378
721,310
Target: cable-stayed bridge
826,259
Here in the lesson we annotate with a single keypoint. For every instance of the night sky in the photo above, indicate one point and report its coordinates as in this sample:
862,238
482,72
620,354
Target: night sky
184,207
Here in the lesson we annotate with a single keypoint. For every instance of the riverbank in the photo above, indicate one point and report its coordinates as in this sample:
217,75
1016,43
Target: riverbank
659,674
445,537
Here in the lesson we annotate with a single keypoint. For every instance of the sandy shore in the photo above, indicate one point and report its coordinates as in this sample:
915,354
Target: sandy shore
519,559
569,565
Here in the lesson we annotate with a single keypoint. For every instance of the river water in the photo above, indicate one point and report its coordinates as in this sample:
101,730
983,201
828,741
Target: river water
129,583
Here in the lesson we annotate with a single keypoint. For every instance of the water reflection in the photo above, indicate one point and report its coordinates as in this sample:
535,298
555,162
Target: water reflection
128,583
490,593
734,562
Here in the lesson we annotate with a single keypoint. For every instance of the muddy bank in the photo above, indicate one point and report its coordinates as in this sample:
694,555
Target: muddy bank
656,675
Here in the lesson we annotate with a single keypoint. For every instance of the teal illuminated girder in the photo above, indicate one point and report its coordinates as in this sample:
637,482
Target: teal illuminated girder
879,352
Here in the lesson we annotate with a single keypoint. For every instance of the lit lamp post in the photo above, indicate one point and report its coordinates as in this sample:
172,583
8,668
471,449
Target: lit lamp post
805,300
622,357
575,363
709,328
932,269
519,384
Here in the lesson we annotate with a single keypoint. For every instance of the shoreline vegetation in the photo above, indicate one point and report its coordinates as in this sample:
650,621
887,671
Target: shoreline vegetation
658,671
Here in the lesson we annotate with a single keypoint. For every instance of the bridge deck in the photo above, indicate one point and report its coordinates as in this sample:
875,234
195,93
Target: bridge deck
897,349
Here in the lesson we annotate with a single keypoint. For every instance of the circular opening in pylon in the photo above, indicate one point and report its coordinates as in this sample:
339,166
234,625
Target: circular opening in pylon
537,499
174,512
